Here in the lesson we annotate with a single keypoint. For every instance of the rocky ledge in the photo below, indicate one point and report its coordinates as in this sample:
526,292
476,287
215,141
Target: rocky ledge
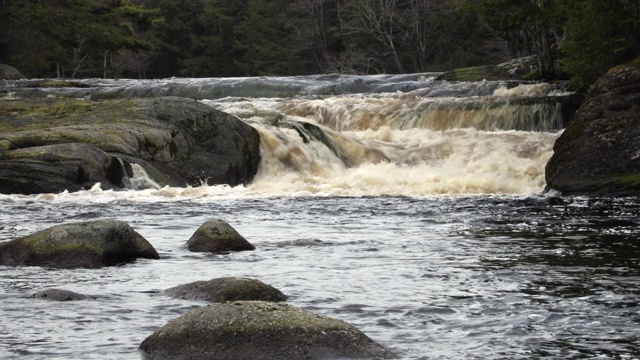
599,152
52,145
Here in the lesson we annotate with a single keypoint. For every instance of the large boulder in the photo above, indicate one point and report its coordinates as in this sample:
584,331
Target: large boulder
10,73
177,141
217,236
227,289
91,244
599,152
51,168
258,330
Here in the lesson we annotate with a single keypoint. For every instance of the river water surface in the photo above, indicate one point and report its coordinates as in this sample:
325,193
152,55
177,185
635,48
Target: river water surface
422,221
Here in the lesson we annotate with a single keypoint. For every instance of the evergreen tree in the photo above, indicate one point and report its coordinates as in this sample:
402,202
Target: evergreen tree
599,36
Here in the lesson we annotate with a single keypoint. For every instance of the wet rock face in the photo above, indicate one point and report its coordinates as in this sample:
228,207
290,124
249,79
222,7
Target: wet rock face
227,289
91,244
259,330
177,141
217,236
599,152
50,168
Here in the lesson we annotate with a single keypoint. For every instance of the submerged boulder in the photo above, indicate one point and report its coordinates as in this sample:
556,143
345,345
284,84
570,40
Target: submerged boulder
217,236
599,152
258,330
91,244
227,289
59,295
177,141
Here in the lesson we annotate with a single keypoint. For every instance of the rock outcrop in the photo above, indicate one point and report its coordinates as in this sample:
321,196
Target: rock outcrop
91,244
10,73
51,145
227,289
259,330
599,152
217,236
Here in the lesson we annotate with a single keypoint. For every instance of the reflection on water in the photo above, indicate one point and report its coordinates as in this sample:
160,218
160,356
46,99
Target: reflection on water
500,277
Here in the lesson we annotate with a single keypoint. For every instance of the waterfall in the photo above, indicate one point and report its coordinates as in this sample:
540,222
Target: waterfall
139,180
404,143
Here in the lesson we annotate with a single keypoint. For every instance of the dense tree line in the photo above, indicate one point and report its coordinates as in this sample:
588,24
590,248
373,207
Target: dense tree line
162,38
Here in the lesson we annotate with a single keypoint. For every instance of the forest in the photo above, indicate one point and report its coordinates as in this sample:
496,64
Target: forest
576,39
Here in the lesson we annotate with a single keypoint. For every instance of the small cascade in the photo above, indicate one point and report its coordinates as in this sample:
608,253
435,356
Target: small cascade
522,108
402,162
405,143
139,179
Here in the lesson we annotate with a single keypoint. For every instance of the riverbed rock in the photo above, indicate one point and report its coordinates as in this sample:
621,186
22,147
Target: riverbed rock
10,73
227,289
59,295
259,330
216,236
50,168
177,141
599,152
90,244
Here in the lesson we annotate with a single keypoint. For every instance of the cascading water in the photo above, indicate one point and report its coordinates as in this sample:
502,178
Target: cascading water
409,207
404,143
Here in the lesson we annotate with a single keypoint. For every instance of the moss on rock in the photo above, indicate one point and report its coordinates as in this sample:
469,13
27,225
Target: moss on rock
216,235
599,152
227,289
252,330
90,244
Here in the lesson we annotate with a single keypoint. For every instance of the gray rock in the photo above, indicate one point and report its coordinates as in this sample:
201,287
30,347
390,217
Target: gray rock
50,168
177,141
217,236
10,73
227,289
59,295
599,152
91,244
259,330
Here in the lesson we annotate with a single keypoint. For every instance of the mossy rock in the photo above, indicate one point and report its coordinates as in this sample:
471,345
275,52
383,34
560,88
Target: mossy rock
599,153
475,73
178,141
55,83
52,168
217,236
227,289
91,244
259,330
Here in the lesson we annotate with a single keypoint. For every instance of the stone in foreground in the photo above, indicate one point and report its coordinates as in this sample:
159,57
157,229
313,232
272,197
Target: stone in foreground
227,289
91,244
259,330
217,236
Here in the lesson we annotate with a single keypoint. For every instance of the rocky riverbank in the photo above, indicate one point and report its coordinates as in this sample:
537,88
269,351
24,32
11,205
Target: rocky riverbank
52,145
599,152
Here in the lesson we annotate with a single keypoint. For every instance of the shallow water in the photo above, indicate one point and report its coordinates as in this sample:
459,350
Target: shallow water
439,277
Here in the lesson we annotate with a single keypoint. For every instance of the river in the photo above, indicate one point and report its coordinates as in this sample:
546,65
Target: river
416,214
